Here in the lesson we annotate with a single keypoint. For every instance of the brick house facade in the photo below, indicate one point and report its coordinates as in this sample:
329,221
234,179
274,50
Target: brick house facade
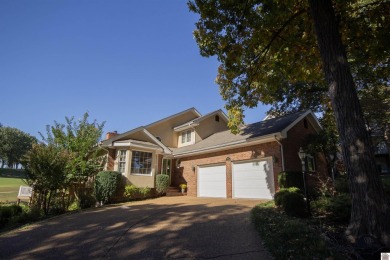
193,148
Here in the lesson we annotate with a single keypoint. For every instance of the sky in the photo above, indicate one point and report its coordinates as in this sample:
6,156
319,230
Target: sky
127,63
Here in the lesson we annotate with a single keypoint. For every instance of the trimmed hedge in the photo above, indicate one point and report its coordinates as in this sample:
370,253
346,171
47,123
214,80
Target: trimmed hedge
162,183
106,184
291,201
133,192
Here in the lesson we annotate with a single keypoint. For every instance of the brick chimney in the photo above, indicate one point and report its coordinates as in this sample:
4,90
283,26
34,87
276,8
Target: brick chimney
111,134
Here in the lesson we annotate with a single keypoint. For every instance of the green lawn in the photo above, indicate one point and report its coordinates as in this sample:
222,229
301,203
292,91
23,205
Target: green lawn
10,181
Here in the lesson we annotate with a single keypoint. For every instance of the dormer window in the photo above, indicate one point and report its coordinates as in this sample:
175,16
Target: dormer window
186,136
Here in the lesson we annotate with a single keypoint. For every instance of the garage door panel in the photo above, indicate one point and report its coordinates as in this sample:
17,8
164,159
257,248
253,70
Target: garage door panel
212,181
253,180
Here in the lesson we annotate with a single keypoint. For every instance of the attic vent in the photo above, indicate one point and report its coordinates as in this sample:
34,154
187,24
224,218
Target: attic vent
305,123
217,118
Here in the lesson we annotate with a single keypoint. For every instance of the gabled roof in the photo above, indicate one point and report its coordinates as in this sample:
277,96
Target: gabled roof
261,131
196,121
192,110
125,138
127,135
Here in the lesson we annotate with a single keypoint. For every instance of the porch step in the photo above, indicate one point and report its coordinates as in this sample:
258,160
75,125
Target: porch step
174,191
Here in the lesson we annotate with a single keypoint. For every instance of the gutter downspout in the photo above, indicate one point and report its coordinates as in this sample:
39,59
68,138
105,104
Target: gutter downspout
281,151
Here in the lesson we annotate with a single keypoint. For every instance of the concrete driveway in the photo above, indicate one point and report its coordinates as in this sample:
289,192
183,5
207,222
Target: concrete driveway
167,227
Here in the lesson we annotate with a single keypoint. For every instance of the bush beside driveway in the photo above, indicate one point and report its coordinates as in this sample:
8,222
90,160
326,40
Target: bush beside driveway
168,227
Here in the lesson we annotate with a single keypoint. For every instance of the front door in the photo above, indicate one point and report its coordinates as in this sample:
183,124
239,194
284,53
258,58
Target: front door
166,168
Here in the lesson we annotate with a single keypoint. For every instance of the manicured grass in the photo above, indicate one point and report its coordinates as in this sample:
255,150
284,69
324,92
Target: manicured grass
10,181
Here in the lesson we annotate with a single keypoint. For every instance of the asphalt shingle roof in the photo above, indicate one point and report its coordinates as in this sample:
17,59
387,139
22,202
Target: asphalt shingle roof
255,130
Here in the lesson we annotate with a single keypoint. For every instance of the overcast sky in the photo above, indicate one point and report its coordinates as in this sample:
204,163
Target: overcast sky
128,63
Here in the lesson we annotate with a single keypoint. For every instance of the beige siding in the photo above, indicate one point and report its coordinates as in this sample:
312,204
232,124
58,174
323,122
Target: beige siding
208,127
165,131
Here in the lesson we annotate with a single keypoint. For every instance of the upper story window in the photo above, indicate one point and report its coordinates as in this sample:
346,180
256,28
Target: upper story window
186,136
122,161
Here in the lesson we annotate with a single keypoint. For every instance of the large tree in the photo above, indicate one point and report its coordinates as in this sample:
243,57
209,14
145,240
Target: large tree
14,144
272,51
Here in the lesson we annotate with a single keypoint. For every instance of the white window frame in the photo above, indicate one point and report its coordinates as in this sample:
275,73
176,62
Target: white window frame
122,161
186,137
133,157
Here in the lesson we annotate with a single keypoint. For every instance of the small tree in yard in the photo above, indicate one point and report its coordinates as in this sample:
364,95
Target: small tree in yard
80,139
45,166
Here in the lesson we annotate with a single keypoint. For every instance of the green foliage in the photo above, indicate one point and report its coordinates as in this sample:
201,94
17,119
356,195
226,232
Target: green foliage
74,206
290,179
11,214
132,192
45,166
279,196
335,209
268,51
294,204
79,139
341,184
291,201
145,192
162,183
14,144
287,237
106,184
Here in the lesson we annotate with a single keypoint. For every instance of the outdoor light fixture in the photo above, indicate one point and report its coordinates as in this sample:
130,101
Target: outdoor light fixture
302,156
193,168
228,158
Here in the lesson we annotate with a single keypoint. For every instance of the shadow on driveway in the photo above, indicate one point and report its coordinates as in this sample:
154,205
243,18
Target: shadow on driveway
173,227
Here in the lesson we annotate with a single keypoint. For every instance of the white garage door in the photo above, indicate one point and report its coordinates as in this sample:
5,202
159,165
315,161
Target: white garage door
254,180
212,181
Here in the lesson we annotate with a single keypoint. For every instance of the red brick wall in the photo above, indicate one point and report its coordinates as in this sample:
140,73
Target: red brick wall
186,174
111,156
295,140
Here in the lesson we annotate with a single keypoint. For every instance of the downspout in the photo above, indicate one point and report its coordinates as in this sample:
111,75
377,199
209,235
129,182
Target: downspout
281,152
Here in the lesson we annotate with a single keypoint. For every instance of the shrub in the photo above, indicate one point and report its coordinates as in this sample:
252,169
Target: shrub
288,238
291,201
8,212
145,192
162,183
341,184
336,209
279,196
106,184
133,192
294,204
290,179
130,191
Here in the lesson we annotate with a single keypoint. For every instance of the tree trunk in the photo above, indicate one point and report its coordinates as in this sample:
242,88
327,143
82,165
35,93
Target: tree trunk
370,210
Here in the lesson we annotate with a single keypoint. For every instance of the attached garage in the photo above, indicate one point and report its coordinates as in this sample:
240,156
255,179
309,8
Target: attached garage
212,181
253,180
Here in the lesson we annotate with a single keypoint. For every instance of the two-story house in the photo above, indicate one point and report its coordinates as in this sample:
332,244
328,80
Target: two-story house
202,152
